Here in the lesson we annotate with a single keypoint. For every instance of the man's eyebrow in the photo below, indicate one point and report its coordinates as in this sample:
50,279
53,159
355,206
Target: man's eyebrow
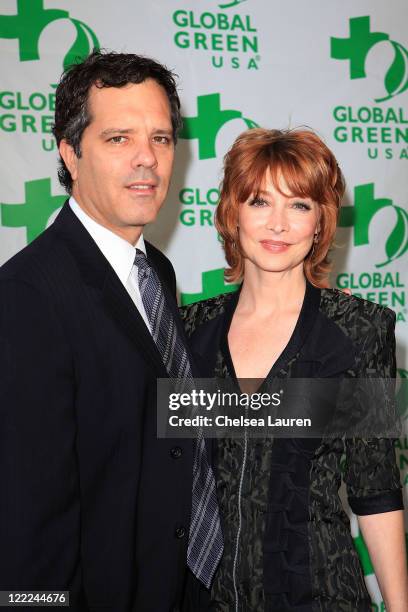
111,131
167,131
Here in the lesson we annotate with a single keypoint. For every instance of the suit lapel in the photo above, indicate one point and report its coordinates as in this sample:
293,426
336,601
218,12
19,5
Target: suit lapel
120,306
172,305
98,273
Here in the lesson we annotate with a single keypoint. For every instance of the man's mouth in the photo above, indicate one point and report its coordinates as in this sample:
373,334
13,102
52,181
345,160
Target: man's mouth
144,188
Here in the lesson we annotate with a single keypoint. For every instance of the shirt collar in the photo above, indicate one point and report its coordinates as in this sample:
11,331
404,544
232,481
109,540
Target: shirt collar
119,252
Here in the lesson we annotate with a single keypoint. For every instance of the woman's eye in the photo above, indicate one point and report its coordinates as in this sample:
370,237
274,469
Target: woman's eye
258,202
301,205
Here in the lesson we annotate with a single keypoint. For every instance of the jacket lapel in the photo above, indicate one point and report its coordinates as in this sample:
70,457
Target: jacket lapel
172,305
97,272
120,306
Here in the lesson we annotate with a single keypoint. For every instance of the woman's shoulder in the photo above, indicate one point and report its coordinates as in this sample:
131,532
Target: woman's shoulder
353,312
194,315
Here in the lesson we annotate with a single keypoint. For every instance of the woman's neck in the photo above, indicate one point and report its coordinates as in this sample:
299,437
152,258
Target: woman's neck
268,292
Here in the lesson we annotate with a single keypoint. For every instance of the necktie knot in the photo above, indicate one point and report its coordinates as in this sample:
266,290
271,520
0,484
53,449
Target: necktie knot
142,264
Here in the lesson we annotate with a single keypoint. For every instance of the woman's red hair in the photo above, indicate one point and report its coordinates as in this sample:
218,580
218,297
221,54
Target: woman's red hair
309,169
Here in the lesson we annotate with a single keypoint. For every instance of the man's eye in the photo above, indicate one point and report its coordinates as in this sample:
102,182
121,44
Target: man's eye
162,139
258,202
117,139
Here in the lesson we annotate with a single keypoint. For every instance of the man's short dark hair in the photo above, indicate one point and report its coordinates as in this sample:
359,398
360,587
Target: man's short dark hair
103,69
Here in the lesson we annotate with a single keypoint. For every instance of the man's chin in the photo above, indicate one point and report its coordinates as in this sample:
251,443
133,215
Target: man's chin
142,214
141,220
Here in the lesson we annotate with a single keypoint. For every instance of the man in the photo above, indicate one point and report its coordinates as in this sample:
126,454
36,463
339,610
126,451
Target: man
91,501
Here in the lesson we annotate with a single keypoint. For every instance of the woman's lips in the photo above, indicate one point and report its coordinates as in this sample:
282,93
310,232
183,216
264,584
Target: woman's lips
275,246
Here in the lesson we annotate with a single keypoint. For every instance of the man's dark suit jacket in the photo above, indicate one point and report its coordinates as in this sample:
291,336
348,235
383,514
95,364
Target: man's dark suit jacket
90,500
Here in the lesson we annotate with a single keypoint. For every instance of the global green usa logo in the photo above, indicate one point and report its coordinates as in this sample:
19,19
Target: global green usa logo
381,127
34,213
198,203
32,112
366,206
227,37
386,287
32,19
205,126
356,48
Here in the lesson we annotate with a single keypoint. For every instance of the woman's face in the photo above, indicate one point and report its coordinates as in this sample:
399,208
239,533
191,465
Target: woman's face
276,232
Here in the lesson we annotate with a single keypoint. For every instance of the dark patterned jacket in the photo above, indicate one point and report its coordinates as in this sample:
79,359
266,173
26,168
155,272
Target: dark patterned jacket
287,537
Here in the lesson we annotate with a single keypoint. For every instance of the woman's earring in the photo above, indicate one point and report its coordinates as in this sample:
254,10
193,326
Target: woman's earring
315,241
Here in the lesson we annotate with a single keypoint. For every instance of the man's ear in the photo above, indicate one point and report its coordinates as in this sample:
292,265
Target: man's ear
70,159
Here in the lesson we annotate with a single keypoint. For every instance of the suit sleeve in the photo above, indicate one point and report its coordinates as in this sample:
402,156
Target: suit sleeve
372,475
39,508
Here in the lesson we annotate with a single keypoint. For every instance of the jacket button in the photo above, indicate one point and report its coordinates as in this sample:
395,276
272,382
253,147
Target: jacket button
176,452
180,532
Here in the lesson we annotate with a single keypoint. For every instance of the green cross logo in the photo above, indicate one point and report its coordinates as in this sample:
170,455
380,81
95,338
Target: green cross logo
359,216
212,283
356,48
35,212
208,122
32,19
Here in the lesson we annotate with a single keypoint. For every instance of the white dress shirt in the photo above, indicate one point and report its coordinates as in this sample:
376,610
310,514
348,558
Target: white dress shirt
119,253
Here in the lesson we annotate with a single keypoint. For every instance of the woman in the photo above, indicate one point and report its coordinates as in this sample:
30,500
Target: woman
287,542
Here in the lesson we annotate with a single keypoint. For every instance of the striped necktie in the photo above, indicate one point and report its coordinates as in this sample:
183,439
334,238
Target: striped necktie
205,543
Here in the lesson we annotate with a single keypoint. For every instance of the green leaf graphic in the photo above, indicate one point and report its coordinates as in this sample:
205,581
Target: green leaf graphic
396,71
84,43
231,3
251,124
396,79
404,53
397,242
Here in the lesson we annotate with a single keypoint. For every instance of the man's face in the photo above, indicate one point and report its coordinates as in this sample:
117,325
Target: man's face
127,152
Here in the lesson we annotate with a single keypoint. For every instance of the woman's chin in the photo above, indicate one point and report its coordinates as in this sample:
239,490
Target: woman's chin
278,265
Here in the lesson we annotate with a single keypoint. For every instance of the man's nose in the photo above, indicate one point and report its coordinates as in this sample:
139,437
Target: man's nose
144,155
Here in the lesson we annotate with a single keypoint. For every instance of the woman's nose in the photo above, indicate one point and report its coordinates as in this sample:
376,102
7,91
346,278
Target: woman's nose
277,220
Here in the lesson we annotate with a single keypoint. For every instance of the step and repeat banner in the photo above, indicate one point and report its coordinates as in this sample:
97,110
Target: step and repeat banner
339,67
